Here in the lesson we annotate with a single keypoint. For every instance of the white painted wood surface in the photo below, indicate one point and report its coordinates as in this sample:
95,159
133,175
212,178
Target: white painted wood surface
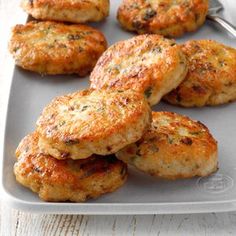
18,223
25,224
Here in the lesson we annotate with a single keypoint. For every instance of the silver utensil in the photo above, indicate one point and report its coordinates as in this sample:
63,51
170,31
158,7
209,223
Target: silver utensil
214,7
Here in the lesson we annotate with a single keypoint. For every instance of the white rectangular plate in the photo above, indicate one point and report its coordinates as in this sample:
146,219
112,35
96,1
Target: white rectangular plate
141,194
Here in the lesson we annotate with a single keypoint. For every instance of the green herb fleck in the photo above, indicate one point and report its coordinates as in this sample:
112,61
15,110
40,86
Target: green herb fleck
71,141
16,49
84,108
134,6
150,13
157,49
148,92
100,109
170,140
137,24
222,63
62,123
74,37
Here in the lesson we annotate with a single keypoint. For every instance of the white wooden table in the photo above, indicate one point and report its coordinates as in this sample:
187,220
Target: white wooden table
14,222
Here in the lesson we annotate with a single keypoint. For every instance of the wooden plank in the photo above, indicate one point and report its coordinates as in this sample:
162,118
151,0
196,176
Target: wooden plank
26,224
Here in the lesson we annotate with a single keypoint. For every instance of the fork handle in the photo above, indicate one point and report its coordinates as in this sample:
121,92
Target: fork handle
224,23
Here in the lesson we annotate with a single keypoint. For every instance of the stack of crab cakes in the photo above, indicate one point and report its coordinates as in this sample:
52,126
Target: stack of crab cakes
84,140
66,180
196,73
60,44
174,146
70,156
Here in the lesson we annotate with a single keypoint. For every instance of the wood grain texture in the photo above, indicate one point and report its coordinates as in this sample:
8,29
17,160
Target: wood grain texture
13,222
25,224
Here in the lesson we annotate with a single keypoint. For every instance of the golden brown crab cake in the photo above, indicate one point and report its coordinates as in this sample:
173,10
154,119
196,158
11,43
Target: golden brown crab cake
66,180
150,64
56,48
83,123
75,11
171,18
174,147
211,79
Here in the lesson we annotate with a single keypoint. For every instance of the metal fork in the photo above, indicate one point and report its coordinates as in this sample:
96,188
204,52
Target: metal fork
215,7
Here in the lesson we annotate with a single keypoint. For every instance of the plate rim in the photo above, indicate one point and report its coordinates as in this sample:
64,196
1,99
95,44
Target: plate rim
101,208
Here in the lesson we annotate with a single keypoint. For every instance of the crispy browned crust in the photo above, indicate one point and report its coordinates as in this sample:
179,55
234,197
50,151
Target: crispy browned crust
211,79
56,48
174,147
101,122
75,11
66,180
162,16
149,64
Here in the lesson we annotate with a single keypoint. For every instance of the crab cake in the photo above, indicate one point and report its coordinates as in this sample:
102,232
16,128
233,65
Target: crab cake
211,79
149,64
83,123
66,180
75,11
170,18
56,48
174,147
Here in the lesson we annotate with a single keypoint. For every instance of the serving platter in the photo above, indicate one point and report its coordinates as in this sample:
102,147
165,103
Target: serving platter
141,194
